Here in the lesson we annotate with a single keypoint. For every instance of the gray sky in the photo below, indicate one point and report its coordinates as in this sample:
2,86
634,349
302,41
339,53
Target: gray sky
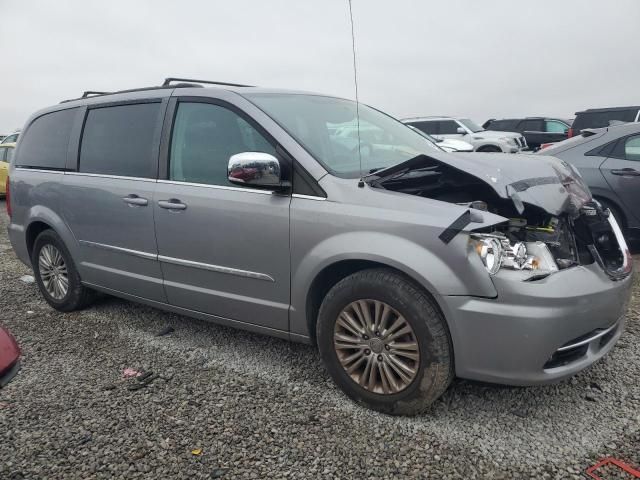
472,58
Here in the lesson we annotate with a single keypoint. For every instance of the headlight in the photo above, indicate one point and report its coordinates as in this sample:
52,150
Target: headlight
497,251
509,140
491,253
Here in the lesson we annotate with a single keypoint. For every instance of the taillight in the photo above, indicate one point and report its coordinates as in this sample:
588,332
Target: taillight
8,197
570,133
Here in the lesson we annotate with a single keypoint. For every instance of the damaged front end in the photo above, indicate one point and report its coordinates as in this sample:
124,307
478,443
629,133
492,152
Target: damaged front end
551,222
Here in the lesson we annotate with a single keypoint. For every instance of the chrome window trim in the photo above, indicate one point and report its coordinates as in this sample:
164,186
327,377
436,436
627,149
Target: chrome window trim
218,187
216,268
308,197
113,177
135,253
39,170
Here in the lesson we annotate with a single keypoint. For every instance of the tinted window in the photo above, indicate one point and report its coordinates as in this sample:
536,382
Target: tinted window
204,137
603,119
3,154
448,127
10,154
44,144
632,148
553,126
531,125
427,127
120,140
502,125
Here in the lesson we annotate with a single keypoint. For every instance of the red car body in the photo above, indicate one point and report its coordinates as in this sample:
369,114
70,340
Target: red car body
9,357
245,173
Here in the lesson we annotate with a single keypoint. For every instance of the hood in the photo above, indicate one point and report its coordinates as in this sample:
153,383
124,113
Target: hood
494,134
456,144
543,181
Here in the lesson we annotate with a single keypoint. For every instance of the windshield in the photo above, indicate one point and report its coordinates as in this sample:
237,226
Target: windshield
471,125
327,128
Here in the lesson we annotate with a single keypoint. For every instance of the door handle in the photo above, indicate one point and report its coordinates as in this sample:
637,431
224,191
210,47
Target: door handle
627,172
135,200
172,204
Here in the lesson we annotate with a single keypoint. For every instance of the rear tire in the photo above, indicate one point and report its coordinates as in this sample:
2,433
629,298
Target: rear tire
56,274
424,348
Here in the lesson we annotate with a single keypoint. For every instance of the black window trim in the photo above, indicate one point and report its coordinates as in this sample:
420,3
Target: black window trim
157,136
282,154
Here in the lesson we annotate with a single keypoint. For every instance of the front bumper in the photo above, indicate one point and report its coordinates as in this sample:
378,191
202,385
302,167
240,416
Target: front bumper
515,338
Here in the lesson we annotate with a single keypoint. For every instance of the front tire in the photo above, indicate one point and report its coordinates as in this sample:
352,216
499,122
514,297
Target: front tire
56,274
490,149
384,342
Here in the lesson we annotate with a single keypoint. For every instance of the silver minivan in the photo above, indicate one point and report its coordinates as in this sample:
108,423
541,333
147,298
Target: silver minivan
405,265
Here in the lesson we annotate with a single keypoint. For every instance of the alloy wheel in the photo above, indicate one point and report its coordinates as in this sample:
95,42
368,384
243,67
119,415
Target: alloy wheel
53,272
376,346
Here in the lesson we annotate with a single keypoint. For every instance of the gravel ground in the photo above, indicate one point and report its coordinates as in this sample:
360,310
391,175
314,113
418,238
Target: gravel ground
230,404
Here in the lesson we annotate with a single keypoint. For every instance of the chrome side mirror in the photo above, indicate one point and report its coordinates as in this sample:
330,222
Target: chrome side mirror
255,169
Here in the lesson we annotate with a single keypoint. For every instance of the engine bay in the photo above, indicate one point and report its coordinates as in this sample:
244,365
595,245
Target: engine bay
531,238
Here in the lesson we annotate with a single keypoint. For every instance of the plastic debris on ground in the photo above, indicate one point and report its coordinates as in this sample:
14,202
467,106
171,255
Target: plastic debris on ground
131,372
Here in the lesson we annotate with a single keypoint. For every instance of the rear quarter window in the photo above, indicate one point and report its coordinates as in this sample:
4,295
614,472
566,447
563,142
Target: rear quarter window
45,142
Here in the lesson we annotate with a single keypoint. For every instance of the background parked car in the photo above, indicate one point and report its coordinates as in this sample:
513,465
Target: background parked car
447,144
536,130
609,161
467,130
9,357
13,138
6,152
603,117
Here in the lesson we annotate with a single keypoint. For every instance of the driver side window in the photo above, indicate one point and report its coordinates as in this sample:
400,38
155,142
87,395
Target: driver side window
204,137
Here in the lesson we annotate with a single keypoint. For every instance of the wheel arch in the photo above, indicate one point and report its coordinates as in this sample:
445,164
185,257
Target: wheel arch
42,218
489,147
616,204
331,274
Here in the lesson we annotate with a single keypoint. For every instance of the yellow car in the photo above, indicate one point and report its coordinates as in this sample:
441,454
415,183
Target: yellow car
6,152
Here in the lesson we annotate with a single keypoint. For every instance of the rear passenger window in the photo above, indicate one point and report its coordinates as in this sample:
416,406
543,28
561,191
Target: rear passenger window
553,126
45,142
632,148
533,125
448,127
204,137
427,127
121,140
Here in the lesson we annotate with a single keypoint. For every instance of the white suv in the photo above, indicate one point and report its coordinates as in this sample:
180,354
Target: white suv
467,130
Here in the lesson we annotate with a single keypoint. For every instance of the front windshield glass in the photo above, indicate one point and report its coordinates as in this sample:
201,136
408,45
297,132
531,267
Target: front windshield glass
471,125
327,128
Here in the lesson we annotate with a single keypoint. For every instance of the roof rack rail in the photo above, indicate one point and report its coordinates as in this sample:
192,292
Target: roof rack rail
90,93
167,82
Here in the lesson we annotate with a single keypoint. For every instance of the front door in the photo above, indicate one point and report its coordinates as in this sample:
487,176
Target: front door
224,249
